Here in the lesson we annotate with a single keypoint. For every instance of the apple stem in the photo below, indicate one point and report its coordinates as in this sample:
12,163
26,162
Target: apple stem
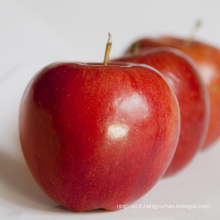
107,50
196,27
135,48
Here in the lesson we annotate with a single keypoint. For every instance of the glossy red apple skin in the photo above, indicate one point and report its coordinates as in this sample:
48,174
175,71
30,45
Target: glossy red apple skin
207,59
192,96
94,136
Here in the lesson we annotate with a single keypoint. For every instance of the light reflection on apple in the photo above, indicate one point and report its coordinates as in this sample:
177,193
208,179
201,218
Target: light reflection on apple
209,71
135,106
173,81
117,131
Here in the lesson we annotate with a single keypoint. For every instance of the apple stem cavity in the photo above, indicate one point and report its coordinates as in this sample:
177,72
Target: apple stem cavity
191,37
107,50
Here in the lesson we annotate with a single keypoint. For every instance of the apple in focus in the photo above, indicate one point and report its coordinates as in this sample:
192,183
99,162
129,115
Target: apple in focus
95,136
207,59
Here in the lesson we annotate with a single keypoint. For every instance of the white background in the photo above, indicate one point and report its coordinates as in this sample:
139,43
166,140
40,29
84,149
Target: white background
36,33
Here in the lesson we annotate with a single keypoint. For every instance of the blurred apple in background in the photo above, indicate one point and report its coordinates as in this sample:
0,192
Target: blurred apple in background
191,94
207,60
95,136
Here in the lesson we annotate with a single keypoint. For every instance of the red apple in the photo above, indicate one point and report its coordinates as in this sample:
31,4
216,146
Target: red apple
95,136
192,97
207,60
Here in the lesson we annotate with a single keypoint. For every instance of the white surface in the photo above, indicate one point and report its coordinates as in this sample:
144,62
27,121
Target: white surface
36,33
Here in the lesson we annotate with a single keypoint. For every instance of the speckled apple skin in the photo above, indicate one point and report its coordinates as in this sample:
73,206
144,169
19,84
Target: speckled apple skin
94,136
192,96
